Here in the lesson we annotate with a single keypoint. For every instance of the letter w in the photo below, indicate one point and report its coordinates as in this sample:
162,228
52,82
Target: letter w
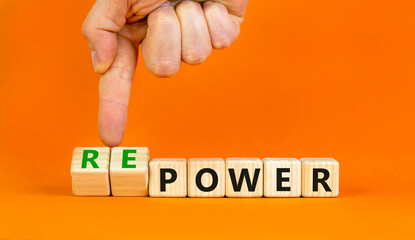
244,175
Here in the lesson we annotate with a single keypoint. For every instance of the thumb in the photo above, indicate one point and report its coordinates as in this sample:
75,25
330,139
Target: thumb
100,28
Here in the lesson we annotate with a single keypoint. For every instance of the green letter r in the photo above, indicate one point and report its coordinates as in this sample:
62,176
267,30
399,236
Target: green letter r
86,159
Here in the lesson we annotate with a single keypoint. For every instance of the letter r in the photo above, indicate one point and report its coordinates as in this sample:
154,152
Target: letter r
91,160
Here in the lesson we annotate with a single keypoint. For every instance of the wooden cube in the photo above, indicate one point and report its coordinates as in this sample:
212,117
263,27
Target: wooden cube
168,177
244,177
89,171
282,177
320,177
129,171
206,177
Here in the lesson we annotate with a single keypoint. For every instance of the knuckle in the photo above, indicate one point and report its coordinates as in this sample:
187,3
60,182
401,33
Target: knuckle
213,9
160,19
86,29
120,73
187,6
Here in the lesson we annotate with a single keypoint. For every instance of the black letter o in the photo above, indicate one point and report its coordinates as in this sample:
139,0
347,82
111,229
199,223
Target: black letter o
199,180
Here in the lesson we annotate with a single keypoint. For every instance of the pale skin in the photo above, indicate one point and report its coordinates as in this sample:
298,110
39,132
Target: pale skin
169,34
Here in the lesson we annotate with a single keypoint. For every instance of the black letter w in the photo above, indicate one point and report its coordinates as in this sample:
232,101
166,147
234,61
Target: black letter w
244,174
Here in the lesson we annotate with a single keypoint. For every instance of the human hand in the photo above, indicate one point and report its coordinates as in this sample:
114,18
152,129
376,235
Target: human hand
169,35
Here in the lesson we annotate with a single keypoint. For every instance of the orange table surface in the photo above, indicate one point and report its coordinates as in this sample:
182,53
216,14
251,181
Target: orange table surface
304,79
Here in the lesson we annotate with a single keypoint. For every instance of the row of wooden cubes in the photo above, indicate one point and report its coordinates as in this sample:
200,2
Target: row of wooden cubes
128,171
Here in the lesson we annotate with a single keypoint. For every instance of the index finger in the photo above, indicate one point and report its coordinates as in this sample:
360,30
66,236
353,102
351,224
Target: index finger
114,93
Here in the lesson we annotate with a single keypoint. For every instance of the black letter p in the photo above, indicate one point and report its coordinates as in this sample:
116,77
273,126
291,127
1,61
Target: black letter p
163,180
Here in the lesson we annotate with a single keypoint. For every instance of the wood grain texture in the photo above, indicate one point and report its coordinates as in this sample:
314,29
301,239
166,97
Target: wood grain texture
238,164
90,181
194,165
307,167
292,179
131,180
178,188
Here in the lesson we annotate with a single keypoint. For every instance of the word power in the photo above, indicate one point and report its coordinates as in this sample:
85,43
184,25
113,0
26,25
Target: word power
128,171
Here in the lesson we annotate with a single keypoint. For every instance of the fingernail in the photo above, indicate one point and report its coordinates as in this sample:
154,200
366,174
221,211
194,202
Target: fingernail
166,4
95,60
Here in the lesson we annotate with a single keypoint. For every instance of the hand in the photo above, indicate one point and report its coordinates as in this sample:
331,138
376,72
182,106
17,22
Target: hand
169,35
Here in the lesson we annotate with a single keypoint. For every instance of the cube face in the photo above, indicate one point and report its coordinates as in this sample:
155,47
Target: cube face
168,177
320,177
206,177
89,171
129,171
244,177
282,177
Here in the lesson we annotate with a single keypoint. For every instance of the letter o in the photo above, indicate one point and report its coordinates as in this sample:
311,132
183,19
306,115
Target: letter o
199,180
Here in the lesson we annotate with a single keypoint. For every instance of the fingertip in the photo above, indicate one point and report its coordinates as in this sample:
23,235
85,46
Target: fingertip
195,56
103,52
196,42
110,142
162,46
103,60
223,27
222,41
112,120
164,69
100,68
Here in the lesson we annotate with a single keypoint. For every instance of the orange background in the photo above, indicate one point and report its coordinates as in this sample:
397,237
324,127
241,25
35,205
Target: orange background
305,79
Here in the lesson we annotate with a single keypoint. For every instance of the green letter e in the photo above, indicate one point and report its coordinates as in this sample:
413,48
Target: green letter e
126,158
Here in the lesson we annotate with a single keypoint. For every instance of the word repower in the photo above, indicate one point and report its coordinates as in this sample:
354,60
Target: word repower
128,171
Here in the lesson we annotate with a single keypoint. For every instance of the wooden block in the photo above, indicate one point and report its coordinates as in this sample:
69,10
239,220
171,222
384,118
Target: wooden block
320,177
168,177
282,177
129,171
89,171
206,177
244,177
